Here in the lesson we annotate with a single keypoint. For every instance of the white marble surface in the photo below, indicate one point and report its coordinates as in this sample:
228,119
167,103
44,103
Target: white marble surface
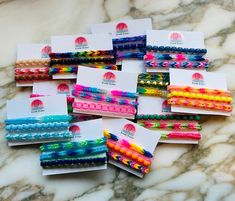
180,172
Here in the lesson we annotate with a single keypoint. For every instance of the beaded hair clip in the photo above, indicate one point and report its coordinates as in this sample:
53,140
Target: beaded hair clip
174,57
40,119
73,145
33,63
38,136
127,144
73,162
30,71
105,108
32,77
78,88
169,49
167,117
73,153
102,98
182,135
152,83
130,55
176,64
129,39
128,162
202,104
177,126
158,76
151,92
124,94
128,47
76,61
86,54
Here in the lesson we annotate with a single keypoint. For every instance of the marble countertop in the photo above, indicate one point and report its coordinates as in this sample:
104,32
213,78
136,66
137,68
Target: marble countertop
180,172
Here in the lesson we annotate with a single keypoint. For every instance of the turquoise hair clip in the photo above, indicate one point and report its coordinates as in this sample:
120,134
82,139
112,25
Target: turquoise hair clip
73,145
41,119
73,153
38,136
37,126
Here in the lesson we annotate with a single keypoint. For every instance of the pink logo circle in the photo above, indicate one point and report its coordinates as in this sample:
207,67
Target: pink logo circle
121,27
197,77
109,76
36,104
74,129
129,128
62,88
45,51
80,41
176,36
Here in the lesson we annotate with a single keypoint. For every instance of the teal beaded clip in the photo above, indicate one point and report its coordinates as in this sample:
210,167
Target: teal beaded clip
42,119
73,153
73,145
37,126
38,136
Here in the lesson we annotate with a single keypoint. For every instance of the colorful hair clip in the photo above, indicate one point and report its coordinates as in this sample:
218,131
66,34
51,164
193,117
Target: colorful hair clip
127,144
207,91
32,77
86,54
98,97
124,94
153,83
37,126
128,153
30,71
73,153
169,49
40,119
129,39
78,87
174,57
130,55
202,104
182,135
62,70
33,63
105,108
176,64
38,136
167,117
155,76
128,47
151,92
83,61
199,96
126,161
177,126
73,145
73,162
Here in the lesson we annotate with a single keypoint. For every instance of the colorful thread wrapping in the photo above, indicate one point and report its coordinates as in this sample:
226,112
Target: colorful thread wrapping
83,61
151,92
128,153
124,94
156,76
38,136
30,71
32,77
169,49
167,117
199,96
37,126
176,64
102,98
129,39
40,119
130,55
182,135
127,47
202,104
198,90
105,108
127,144
86,54
78,87
73,153
153,83
73,145
126,161
73,162
33,63
174,57
177,126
